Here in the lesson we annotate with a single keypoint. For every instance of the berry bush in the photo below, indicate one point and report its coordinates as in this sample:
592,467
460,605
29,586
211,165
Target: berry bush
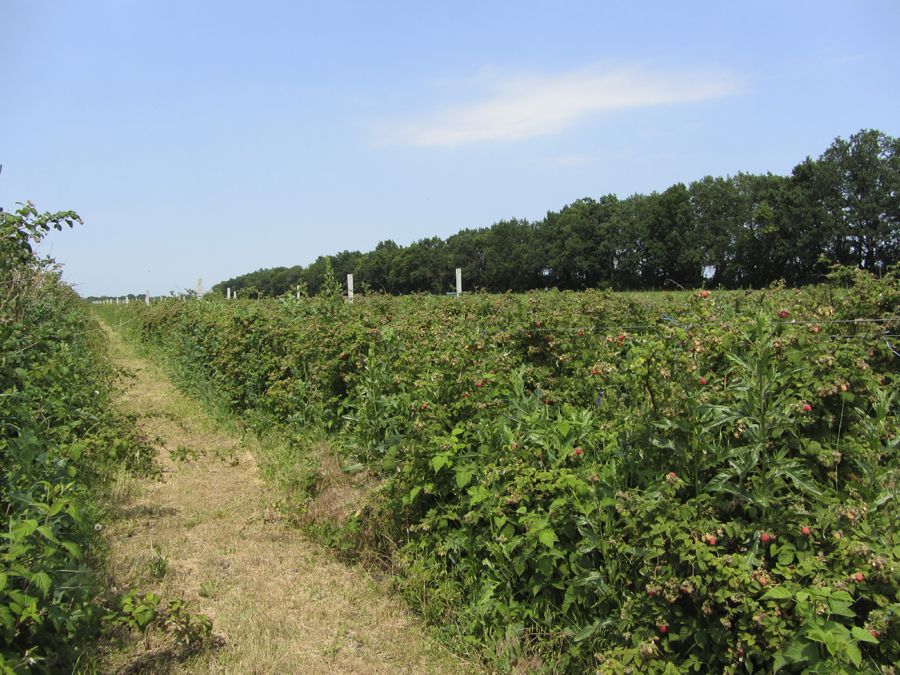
619,483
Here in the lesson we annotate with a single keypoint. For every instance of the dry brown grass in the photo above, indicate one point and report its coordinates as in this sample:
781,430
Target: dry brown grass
209,534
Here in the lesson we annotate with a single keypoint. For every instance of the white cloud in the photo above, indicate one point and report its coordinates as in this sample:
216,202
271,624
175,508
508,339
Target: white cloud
525,106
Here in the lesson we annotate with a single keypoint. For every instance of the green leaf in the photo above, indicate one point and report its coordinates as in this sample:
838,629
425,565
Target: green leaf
585,633
862,635
23,529
778,662
47,532
854,654
463,478
785,556
548,537
42,581
777,593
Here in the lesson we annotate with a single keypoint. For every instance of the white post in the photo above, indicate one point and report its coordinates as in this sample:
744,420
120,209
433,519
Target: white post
199,288
458,281
350,287
228,293
298,291
147,298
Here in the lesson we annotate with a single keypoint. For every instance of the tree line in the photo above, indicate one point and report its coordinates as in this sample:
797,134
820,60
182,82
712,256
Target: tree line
742,231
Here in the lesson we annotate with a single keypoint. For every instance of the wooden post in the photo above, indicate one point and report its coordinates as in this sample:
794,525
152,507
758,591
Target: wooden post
458,281
350,287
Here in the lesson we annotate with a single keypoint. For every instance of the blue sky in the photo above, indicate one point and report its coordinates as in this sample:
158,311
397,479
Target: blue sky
213,138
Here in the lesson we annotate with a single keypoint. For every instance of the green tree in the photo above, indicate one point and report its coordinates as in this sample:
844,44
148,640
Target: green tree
512,261
379,269
576,255
672,249
862,194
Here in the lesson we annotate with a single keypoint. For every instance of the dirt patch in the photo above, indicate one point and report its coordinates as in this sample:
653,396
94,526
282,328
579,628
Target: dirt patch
209,534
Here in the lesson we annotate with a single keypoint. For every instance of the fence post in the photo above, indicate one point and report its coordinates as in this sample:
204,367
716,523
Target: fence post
147,298
458,281
350,287
199,288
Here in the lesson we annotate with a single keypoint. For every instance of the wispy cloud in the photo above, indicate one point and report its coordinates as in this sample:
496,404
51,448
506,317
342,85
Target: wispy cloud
839,61
513,108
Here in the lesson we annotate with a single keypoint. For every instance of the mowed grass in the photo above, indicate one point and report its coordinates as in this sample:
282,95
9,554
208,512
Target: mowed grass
209,533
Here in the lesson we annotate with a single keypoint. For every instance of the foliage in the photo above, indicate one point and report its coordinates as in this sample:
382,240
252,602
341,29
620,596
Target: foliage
733,232
668,483
59,443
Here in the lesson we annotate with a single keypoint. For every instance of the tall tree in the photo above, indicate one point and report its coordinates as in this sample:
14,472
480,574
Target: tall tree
466,249
863,196
512,262
572,241
670,242
720,213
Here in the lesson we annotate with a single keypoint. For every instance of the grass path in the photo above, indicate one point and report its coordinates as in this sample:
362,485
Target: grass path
205,534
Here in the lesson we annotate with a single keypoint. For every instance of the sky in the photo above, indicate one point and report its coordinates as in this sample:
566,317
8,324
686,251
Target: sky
211,138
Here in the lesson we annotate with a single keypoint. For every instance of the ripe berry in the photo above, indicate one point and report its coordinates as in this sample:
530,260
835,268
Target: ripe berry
783,315
874,633
859,576
702,380
807,407
704,294
712,541
595,371
805,531
765,537
580,333
465,396
478,384
621,337
763,581
578,451
663,629
651,593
